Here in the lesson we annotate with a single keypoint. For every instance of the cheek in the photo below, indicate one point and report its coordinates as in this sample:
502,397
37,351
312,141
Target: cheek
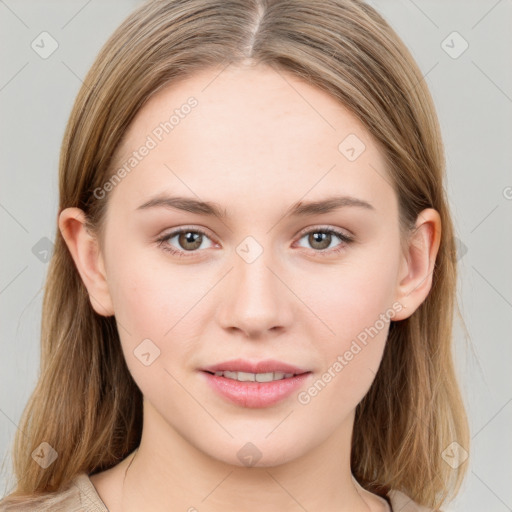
355,306
350,358
156,301
353,294
149,306
150,295
139,297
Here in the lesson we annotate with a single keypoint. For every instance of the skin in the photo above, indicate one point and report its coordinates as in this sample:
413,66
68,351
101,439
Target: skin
258,142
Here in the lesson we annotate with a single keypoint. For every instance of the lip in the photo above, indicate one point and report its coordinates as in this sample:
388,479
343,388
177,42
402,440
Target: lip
265,366
255,394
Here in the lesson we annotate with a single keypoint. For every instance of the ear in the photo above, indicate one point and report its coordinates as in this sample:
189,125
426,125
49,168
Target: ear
417,266
84,249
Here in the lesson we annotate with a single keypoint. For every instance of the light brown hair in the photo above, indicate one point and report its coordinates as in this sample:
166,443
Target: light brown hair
86,405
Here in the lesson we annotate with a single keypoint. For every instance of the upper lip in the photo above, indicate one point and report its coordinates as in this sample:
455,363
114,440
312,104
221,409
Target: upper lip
265,366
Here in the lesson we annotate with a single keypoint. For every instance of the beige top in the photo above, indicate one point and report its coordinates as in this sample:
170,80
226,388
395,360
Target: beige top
81,496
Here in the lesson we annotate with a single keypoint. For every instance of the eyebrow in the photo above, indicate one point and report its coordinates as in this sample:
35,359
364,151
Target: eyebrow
211,209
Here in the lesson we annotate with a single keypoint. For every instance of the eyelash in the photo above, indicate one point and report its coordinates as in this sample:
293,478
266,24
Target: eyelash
345,239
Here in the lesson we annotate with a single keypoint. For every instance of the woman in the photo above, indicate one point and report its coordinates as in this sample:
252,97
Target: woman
251,296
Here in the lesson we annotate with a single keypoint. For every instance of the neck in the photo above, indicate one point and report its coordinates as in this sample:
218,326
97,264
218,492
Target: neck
167,472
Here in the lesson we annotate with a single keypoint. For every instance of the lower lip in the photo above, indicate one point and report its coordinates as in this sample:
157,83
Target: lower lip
255,394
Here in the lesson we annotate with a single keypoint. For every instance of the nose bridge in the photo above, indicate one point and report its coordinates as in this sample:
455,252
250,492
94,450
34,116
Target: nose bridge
254,281
256,299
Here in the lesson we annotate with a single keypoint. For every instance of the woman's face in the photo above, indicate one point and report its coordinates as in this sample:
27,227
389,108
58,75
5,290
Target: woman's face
262,282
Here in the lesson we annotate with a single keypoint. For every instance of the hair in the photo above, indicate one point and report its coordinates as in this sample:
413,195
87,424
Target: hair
86,404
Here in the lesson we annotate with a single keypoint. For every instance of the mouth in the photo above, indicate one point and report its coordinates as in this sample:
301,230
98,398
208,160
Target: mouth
255,377
249,368
255,384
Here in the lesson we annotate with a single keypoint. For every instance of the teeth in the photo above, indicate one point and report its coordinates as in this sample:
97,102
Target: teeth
254,377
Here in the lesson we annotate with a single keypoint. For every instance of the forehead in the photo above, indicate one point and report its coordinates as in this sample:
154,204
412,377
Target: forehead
255,131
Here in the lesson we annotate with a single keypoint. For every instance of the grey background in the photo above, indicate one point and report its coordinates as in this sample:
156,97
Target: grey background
473,95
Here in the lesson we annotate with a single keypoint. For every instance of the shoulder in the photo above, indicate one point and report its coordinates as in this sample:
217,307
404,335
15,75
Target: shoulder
400,502
79,496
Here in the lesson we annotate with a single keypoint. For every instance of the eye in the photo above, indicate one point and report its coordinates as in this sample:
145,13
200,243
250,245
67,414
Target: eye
188,240
320,239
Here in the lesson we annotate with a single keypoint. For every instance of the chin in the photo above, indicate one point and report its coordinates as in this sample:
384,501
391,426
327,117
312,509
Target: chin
257,454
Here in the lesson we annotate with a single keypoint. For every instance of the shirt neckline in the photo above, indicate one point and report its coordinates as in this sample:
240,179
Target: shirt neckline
87,487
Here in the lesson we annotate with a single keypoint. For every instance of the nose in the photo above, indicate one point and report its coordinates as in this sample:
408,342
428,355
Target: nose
255,299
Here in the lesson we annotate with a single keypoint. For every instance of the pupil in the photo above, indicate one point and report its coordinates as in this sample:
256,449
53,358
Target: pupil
190,238
321,238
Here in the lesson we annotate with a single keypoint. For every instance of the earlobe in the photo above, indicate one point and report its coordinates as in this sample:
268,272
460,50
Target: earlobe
418,264
88,259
